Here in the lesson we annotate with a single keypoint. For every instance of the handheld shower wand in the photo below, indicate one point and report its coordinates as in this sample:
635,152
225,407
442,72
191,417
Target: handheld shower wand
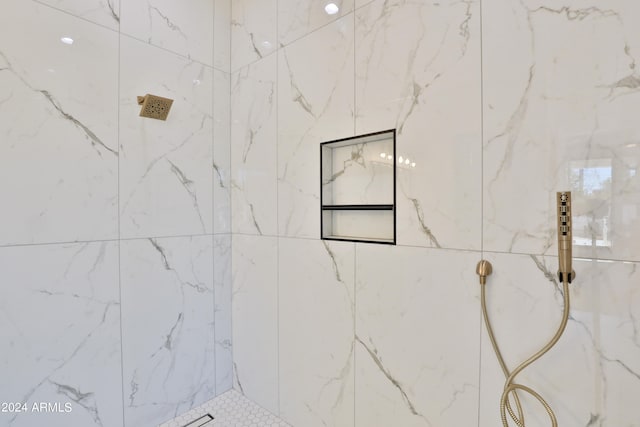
566,275
564,237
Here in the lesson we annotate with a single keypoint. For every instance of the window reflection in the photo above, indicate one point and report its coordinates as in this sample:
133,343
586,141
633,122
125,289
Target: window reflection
591,181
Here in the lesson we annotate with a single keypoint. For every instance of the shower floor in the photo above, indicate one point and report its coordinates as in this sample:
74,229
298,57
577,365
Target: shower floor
230,409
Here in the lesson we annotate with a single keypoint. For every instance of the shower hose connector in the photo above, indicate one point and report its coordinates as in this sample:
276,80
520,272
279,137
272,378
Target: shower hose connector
511,388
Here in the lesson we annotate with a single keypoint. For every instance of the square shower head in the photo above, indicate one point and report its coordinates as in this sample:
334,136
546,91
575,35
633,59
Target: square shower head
154,107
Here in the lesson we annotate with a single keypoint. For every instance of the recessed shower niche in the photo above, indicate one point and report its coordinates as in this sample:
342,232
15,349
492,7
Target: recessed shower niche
358,188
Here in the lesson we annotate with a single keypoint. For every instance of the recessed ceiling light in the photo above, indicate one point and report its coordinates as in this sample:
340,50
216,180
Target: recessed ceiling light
66,40
267,44
331,9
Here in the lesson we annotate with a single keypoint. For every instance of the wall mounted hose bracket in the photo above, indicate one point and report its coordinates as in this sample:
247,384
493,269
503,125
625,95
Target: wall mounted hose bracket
484,269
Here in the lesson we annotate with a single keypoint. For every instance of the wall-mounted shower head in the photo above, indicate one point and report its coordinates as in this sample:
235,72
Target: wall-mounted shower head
154,107
565,271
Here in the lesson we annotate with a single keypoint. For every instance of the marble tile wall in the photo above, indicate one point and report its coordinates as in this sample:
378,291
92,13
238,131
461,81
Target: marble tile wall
500,105
559,101
115,244
70,92
253,148
315,103
214,214
61,324
316,346
167,326
255,319
417,322
590,375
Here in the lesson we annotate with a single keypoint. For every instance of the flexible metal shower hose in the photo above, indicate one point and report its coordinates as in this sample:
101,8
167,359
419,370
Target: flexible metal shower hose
510,387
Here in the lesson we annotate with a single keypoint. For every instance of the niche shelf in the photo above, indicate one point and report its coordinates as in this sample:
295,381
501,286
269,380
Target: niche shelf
358,188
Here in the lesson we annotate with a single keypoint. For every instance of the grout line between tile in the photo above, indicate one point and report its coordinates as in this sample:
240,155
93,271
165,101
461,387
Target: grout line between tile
481,205
277,142
213,203
355,320
230,195
119,227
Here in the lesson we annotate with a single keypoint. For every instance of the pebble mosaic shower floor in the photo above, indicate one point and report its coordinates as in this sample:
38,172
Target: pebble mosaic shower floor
230,409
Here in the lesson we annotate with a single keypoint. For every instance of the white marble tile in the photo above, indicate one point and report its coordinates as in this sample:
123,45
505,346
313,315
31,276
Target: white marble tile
254,148
417,70
298,18
58,125
255,319
166,174
167,327
60,316
613,325
315,104
560,91
222,35
103,12
589,376
253,31
222,312
417,337
185,27
361,3
316,332
221,152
